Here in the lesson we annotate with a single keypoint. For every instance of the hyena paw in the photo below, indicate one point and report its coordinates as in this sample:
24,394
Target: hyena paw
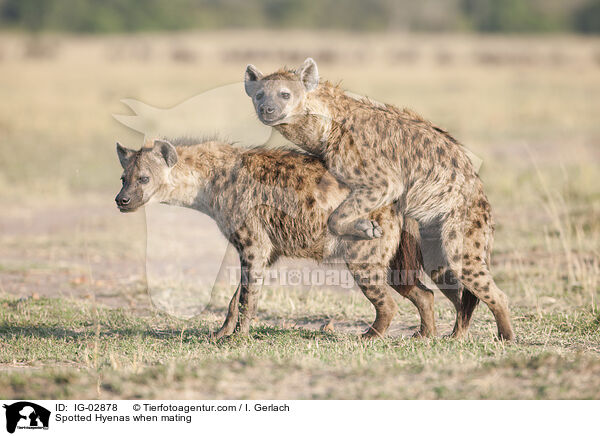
228,336
216,335
369,229
371,333
219,334
421,334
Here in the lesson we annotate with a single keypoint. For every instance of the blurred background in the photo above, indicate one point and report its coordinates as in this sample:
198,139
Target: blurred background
516,81
499,16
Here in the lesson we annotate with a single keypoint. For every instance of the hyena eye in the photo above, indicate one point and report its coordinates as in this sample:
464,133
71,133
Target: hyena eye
285,95
143,180
259,95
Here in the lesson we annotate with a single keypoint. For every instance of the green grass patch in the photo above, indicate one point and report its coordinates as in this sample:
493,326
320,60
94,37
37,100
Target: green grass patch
62,348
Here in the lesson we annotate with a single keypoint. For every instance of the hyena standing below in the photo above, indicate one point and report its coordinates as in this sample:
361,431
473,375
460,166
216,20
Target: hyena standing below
386,155
268,204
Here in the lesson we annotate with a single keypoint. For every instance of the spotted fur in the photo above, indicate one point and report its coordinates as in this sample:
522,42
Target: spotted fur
270,204
387,155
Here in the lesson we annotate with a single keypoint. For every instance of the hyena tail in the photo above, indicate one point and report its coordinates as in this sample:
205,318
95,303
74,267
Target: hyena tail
468,303
407,264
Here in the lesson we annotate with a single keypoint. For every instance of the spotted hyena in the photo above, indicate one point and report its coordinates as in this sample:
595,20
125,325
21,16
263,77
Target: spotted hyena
387,155
271,204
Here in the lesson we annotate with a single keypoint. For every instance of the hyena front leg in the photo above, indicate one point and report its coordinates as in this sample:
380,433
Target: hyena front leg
232,316
351,216
250,285
254,249
254,261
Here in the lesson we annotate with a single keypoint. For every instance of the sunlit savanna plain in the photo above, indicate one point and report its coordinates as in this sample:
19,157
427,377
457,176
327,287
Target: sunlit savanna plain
76,320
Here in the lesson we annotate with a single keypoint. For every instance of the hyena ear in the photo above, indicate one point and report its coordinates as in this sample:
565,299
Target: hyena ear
251,76
166,150
124,154
309,74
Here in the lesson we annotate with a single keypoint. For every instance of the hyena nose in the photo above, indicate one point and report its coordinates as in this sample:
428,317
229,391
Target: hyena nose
122,201
267,109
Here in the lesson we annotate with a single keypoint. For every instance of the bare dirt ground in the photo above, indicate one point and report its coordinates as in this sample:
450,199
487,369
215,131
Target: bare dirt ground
46,252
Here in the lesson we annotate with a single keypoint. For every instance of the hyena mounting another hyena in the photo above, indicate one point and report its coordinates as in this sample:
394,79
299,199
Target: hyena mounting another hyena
386,155
269,204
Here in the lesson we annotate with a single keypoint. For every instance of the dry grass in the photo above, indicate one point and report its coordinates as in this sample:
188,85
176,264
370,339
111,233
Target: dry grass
528,107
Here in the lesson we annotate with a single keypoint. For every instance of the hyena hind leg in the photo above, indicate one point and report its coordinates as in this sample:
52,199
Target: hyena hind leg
422,297
379,293
466,259
406,269
462,299
419,294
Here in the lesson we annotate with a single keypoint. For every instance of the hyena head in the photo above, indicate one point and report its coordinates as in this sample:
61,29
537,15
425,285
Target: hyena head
145,174
280,96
